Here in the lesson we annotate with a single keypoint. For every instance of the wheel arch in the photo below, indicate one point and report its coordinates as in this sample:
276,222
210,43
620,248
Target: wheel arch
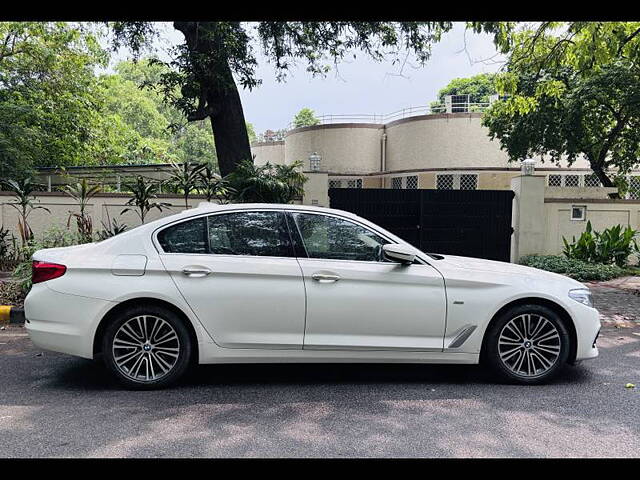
545,302
116,309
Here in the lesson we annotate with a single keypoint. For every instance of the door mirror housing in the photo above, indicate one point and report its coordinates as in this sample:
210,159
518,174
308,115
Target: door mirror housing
396,252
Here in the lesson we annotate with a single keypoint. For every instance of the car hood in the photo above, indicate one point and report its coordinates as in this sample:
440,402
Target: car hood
504,268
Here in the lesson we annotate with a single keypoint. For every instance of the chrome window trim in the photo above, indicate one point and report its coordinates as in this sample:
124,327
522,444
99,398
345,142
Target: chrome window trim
157,246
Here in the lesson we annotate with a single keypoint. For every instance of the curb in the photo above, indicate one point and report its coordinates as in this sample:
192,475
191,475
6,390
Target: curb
9,314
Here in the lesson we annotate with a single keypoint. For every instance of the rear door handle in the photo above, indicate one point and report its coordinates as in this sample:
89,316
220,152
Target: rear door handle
196,271
325,277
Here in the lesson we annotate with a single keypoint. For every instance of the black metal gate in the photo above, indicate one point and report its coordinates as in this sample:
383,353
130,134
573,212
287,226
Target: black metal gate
472,223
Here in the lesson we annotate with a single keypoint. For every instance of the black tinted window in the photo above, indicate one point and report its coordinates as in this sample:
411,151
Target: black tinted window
185,237
338,239
250,233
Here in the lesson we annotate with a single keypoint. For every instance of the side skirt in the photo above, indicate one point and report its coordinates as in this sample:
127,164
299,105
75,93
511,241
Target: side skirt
211,353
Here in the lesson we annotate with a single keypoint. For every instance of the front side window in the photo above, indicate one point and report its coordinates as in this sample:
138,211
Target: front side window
337,239
185,237
261,234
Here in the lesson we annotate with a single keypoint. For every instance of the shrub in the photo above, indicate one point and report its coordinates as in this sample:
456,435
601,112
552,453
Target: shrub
612,245
577,269
8,250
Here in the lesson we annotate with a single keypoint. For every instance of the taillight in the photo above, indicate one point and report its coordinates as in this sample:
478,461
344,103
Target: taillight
43,271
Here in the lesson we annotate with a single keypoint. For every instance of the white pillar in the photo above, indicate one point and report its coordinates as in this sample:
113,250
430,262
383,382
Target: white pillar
528,220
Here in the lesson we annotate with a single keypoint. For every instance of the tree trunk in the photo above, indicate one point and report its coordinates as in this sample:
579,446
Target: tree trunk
229,129
219,97
597,165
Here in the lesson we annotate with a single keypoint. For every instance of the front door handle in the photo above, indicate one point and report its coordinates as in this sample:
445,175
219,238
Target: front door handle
196,271
325,277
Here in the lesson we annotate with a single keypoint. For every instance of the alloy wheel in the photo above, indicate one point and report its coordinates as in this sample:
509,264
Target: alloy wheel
529,345
146,348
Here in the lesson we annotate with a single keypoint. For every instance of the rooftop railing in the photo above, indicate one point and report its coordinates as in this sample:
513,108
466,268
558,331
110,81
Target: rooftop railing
448,107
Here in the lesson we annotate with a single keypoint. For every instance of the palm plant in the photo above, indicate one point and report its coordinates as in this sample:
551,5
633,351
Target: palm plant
82,192
212,185
267,183
111,228
25,204
143,195
185,178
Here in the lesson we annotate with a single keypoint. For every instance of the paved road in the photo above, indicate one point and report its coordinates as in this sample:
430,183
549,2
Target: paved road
59,406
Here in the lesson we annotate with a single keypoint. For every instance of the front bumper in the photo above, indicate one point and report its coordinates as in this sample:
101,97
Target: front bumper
587,324
61,322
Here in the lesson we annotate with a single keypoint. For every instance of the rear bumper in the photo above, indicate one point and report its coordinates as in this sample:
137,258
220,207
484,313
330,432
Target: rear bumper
61,322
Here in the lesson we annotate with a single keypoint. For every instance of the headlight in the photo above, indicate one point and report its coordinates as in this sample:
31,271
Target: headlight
582,295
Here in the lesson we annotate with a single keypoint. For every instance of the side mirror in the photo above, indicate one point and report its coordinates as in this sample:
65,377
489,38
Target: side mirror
398,253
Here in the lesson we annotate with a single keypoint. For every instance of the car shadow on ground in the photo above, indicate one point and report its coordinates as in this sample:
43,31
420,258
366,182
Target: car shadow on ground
88,375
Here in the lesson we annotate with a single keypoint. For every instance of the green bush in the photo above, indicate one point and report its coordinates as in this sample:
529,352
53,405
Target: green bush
612,245
578,269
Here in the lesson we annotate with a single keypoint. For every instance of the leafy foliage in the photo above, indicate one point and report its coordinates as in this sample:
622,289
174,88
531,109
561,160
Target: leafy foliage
185,178
211,185
24,202
8,250
573,90
577,269
111,229
267,183
47,107
612,245
82,192
479,88
144,193
305,118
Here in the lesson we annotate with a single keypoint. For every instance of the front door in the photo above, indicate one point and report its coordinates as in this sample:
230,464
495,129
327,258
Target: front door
355,300
238,273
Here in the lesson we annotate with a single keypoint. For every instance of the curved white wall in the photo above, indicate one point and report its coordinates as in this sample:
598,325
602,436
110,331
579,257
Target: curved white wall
272,152
345,148
452,141
441,141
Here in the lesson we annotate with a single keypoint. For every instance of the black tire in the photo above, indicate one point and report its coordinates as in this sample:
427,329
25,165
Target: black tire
491,350
183,344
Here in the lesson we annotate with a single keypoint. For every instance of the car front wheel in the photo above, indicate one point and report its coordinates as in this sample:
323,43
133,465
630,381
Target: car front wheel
528,344
147,347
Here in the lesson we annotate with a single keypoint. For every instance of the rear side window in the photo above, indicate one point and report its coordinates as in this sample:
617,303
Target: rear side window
261,234
185,237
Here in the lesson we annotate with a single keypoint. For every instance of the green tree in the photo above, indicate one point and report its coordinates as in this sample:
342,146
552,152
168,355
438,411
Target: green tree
573,90
216,55
47,105
479,88
305,118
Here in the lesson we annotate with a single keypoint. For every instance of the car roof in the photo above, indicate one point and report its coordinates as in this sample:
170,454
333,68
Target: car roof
204,207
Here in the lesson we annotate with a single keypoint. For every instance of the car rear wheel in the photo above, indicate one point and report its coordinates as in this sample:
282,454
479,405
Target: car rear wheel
147,347
528,344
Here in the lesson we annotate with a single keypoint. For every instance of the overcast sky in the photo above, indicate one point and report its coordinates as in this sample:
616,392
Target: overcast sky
362,86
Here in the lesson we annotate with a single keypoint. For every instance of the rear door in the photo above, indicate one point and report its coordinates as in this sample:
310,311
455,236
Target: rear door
238,273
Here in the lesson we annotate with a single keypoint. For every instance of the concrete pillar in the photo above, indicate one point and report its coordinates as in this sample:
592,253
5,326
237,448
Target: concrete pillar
316,189
528,219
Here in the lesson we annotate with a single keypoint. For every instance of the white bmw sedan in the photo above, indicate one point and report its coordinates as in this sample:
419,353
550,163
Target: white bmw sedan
283,283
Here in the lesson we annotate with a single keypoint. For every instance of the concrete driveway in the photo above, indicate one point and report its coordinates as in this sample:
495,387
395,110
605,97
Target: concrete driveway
58,406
